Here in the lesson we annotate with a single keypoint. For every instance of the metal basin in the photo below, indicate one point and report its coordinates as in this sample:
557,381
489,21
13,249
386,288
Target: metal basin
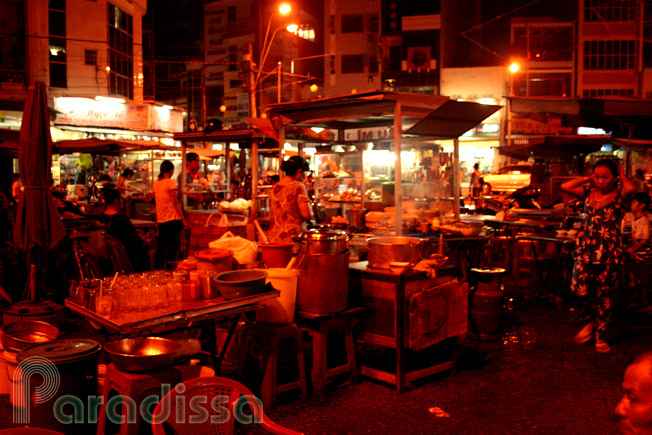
20,335
385,250
240,283
142,354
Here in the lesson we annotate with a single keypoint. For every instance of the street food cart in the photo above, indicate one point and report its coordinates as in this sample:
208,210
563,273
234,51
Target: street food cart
390,121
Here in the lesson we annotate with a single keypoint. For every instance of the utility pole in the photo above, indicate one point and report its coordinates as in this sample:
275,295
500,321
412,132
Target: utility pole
251,80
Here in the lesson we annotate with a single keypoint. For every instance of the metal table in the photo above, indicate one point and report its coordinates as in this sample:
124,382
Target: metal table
179,316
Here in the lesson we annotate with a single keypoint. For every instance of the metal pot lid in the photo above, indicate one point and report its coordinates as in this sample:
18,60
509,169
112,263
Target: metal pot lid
322,234
62,351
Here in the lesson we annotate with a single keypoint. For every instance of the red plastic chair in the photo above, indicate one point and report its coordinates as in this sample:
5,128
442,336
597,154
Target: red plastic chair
210,405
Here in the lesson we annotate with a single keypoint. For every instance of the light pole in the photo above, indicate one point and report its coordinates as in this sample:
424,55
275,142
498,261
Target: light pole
254,77
513,69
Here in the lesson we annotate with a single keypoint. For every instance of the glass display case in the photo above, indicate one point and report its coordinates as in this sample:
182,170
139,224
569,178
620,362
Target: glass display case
338,177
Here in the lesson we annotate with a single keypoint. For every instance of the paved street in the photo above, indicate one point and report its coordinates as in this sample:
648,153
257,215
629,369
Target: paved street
534,381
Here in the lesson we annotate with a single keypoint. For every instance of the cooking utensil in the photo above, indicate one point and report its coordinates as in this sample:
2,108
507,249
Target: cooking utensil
383,250
142,354
240,283
20,335
261,233
323,241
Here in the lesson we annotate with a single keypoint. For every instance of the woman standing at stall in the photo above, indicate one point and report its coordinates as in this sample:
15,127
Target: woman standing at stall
169,217
289,202
599,251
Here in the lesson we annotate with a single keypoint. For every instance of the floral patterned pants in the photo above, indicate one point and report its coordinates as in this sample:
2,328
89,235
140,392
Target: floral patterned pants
596,283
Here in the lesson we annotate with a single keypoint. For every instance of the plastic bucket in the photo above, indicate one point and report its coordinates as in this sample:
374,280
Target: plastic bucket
214,260
281,309
277,254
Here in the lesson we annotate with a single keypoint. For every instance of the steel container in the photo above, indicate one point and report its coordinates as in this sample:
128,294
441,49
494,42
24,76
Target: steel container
323,283
323,241
142,354
384,250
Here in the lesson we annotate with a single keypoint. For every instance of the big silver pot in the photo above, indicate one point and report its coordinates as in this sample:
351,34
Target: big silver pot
323,241
383,250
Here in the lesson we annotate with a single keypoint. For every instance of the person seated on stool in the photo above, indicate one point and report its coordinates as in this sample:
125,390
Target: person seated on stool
121,228
640,249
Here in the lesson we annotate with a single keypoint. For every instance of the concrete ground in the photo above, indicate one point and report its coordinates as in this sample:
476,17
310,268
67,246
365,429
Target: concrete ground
534,380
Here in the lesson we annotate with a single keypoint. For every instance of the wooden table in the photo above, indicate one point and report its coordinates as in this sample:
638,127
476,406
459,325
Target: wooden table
387,299
177,316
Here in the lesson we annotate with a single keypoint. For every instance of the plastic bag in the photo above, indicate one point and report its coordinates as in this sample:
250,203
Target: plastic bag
244,251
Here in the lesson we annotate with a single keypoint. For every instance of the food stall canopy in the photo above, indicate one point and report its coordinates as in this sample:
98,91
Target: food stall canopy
93,145
417,117
433,116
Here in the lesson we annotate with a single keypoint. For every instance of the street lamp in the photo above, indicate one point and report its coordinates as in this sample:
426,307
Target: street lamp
284,9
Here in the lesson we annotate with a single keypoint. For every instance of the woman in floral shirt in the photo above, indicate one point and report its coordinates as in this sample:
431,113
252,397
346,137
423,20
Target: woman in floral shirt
289,202
599,251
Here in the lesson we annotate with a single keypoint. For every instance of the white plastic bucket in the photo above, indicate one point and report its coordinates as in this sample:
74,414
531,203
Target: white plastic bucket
281,309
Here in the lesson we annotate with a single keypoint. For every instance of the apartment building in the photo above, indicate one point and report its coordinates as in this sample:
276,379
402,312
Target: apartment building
85,52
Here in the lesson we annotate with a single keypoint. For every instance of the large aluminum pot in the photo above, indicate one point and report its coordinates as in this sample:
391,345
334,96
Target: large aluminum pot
323,241
384,250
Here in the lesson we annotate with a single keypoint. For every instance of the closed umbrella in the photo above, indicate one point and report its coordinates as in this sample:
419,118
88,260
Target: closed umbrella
37,221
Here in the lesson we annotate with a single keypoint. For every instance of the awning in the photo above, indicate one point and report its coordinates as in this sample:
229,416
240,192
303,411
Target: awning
554,146
433,116
452,119
93,145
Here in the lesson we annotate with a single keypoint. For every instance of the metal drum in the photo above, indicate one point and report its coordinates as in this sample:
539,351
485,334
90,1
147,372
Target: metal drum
323,283
323,241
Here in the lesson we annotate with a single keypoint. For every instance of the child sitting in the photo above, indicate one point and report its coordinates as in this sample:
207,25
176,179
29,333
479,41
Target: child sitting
641,249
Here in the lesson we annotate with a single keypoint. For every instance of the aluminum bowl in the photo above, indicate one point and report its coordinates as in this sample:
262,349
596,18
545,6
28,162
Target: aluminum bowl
142,354
240,283
18,336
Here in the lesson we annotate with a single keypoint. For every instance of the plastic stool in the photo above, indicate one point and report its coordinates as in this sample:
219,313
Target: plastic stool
319,326
269,336
137,386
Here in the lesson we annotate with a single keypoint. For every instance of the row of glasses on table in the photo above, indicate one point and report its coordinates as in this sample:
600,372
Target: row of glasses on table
136,292
139,292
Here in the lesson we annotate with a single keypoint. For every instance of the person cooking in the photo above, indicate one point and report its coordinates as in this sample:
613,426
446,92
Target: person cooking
194,176
289,202
123,183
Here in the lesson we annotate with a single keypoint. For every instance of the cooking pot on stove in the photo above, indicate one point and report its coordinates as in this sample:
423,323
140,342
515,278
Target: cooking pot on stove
384,250
323,241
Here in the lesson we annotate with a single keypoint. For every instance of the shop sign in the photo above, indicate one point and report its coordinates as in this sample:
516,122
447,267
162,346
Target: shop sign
546,126
84,111
163,119
369,134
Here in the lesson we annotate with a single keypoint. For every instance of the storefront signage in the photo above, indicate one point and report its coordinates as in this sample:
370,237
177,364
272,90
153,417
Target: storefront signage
550,126
368,134
87,112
